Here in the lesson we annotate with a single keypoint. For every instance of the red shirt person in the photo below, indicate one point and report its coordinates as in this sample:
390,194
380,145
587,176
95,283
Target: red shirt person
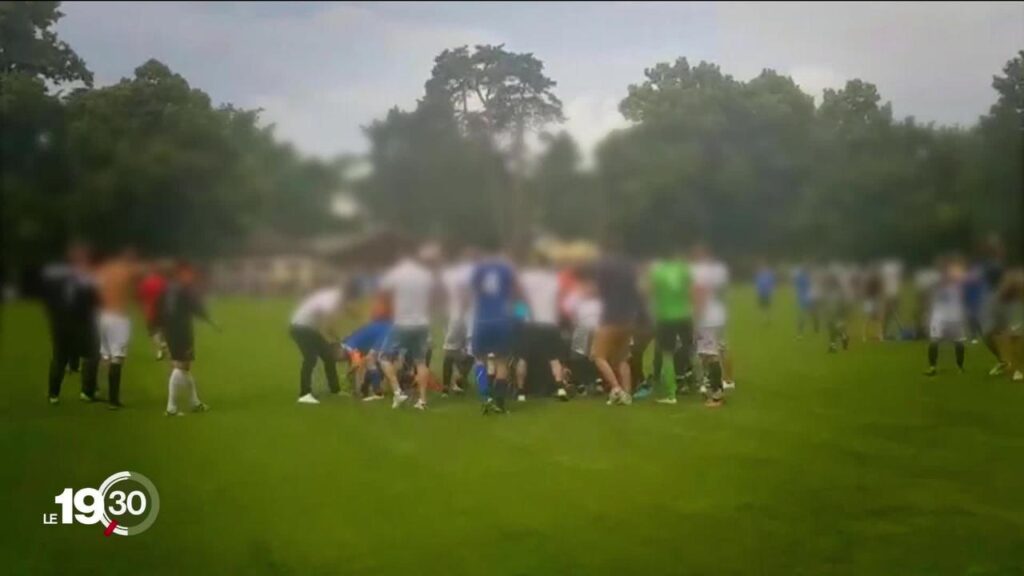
149,291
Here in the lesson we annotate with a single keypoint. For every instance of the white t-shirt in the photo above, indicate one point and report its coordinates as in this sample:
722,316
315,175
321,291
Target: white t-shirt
317,307
541,288
456,279
711,277
947,302
585,311
892,278
926,279
411,285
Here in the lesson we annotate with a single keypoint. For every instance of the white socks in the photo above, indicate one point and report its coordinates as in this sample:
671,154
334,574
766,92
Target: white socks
179,382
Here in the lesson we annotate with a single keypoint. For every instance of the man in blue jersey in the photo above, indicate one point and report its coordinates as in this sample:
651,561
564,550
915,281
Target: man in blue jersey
361,348
764,281
494,292
804,301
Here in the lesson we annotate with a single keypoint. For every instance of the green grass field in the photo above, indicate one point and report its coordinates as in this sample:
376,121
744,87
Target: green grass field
846,464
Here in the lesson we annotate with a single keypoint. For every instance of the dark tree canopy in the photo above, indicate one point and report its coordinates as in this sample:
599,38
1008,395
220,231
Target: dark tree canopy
753,166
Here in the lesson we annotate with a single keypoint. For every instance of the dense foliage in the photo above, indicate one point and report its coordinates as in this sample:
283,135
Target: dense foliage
149,160
754,167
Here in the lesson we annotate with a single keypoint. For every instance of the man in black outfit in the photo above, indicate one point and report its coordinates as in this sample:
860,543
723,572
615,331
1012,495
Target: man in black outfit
177,306
71,303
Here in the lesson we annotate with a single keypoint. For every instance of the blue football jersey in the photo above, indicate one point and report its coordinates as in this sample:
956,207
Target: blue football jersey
493,284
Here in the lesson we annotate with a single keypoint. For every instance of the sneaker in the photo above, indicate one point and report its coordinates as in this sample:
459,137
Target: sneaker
201,407
521,398
669,400
728,385
704,389
420,404
308,399
931,371
173,413
456,389
398,400
642,393
998,369
490,407
86,398
159,355
625,398
614,397
113,406
54,400
562,395
373,397
713,402
1018,376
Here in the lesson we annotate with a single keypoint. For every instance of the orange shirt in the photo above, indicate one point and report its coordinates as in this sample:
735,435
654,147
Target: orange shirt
380,307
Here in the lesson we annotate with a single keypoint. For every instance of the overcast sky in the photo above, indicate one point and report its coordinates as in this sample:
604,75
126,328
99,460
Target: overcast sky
321,71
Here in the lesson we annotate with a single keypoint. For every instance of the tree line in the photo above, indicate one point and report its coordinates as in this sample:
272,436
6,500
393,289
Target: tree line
149,161
753,167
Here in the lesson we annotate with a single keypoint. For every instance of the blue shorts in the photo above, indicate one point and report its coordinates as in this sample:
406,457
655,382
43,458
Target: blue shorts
493,337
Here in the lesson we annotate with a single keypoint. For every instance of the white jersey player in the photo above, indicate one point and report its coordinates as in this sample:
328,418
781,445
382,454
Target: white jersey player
947,321
710,279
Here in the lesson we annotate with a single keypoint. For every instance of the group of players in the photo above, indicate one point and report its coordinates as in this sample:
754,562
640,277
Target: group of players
578,327
586,324
87,303
954,301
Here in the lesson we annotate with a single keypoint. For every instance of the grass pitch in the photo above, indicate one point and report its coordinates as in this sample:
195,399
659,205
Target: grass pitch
819,464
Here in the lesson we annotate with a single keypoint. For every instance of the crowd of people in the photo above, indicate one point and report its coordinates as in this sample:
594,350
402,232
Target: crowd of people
87,301
955,301
575,327
543,326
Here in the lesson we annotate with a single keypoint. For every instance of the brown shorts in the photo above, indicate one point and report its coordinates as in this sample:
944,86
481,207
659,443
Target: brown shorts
612,343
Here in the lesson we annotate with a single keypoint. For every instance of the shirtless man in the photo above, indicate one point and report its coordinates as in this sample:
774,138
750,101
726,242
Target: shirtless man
116,281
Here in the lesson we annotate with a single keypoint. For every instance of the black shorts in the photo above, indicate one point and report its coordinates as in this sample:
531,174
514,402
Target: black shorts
671,332
181,347
540,342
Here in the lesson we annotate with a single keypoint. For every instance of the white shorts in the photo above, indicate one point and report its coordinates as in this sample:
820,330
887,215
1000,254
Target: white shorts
581,340
950,331
710,340
870,307
115,330
455,336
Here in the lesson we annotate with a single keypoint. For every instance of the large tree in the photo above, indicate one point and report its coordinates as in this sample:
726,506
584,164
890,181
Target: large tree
709,157
429,179
34,62
501,96
154,162
995,182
